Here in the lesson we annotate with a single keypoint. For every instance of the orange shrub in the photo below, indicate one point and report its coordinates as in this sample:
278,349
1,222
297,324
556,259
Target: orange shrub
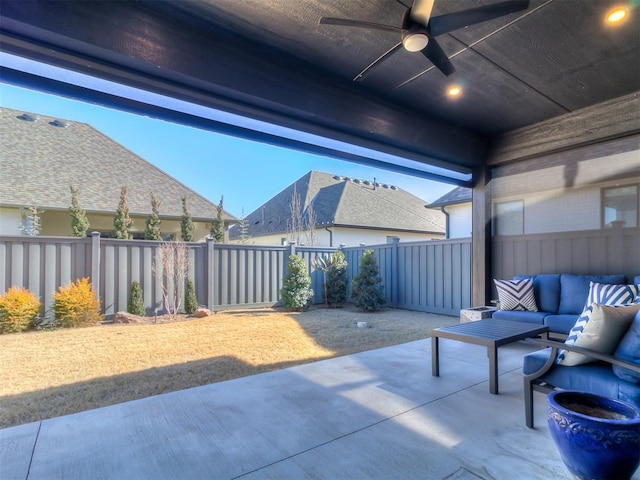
18,308
75,305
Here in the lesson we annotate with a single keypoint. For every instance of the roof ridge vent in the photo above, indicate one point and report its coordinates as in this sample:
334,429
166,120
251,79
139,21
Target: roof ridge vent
28,117
59,123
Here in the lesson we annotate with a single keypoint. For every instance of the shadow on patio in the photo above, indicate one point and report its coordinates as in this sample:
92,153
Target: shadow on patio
375,414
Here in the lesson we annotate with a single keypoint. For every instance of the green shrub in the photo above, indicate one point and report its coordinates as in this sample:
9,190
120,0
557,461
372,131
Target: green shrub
296,290
135,304
18,309
337,279
366,288
75,305
190,299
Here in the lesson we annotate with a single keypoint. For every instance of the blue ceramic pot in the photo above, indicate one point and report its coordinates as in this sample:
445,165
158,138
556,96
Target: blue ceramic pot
598,438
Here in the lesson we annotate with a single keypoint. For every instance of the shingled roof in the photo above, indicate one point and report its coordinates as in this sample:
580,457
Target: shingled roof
345,202
41,157
455,196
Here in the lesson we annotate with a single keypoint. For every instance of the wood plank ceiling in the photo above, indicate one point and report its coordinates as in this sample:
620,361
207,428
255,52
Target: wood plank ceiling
271,60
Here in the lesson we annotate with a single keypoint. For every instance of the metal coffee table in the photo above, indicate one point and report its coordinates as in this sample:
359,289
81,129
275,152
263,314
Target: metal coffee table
490,333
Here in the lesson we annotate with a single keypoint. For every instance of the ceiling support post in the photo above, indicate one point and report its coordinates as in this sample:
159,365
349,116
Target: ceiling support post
481,268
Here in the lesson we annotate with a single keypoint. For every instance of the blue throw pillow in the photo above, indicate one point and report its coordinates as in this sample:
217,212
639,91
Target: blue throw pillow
629,350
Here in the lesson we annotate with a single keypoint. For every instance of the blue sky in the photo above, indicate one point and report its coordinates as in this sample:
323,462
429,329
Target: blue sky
247,173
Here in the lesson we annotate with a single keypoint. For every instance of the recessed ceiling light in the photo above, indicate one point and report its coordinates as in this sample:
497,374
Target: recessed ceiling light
454,91
617,15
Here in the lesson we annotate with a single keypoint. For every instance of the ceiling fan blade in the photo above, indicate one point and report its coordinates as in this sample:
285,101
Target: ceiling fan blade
360,24
453,21
436,55
421,11
378,61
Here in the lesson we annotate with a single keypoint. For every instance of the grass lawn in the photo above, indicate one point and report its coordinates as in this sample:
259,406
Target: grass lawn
50,373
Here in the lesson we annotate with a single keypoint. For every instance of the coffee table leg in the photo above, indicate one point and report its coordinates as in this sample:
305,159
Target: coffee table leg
493,369
435,357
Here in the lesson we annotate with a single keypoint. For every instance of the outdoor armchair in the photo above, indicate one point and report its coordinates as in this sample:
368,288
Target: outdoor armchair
543,374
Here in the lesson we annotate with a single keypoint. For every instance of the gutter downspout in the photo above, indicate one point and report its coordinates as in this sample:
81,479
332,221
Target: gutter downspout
330,236
446,216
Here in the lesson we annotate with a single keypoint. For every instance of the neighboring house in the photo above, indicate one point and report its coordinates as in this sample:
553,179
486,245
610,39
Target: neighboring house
41,157
347,211
456,205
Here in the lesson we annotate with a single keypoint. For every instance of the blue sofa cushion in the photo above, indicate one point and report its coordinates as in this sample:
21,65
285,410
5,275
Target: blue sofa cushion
560,323
594,377
546,288
521,316
629,350
574,290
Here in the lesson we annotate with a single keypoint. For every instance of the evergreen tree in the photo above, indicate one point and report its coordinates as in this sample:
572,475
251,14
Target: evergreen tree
79,221
366,287
217,226
122,222
190,299
135,304
32,225
186,223
244,229
337,279
152,230
296,290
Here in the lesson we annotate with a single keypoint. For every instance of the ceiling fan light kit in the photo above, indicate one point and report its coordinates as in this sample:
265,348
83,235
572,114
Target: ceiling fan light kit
414,42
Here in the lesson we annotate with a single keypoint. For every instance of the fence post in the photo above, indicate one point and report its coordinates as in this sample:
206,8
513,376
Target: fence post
395,269
291,249
95,263
210,274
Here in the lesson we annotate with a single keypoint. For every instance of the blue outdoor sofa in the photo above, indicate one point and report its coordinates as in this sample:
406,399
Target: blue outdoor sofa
614,376
560,299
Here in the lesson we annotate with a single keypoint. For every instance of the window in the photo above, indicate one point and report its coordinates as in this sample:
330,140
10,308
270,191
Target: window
620,206
509,218
391,239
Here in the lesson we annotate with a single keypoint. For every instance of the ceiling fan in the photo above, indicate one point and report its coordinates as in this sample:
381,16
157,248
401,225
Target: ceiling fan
419,29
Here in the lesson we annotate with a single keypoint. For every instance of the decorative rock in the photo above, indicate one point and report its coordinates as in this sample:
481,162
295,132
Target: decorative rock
201,312
126,317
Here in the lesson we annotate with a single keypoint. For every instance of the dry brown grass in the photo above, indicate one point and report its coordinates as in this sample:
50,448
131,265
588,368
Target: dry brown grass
51,373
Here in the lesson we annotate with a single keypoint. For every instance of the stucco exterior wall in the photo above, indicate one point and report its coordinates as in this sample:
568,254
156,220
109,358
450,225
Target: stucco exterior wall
459,220
568,197
347,236
10,221
58,223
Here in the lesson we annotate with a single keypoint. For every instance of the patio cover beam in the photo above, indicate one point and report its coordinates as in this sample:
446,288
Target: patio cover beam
131,45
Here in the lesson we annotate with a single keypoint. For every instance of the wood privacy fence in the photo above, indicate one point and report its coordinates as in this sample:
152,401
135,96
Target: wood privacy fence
606,251
432,276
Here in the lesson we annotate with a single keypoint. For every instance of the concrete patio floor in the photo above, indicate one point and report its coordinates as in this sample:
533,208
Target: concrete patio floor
377,414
